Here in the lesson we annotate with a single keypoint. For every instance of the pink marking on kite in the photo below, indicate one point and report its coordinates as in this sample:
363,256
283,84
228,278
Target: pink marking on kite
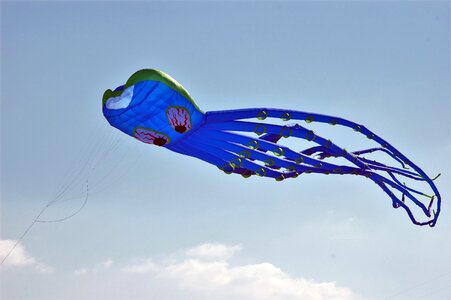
150,137
179,118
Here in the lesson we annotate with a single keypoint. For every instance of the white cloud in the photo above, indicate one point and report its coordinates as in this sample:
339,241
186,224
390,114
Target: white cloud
213,250
81,271
44,268
254,281
19,257
107,264
145,266
204,272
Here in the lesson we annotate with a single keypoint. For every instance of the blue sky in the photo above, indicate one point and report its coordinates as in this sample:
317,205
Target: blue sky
163,226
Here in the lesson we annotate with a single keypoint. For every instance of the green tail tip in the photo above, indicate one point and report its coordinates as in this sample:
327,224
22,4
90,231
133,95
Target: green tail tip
438,175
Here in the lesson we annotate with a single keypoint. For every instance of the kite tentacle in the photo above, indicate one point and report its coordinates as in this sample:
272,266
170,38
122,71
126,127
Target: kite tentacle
186,149
224,160
374,165
407,209
406,187
258,144
324,153
285,131
198,150
371,150
286,115
245,153
300,132
379,179
199,153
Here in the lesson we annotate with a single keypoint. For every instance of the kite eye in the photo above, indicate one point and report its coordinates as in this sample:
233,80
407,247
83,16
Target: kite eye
150,136
179,118
121,101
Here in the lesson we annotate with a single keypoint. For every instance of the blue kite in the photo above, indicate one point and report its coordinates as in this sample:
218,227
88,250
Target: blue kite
155,109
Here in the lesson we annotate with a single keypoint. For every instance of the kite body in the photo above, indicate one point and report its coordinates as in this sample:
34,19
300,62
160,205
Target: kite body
155,109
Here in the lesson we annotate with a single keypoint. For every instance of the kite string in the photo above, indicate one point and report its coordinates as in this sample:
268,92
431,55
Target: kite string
36,220
95,154
71,215
25,233
90,162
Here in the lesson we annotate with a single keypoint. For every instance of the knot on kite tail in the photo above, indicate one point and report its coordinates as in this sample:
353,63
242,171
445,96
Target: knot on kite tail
422,208
408,186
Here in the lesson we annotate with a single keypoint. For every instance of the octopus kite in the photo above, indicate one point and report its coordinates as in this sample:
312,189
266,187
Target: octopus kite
155,109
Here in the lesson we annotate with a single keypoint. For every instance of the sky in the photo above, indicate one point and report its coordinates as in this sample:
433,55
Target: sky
154,224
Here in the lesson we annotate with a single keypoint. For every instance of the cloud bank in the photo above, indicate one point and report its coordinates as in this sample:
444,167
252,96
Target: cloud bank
19,257
205,272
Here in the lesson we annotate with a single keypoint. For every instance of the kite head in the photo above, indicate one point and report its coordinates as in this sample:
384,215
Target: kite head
152,107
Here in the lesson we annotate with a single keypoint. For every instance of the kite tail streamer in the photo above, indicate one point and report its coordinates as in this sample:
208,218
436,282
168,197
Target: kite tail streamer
227,126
